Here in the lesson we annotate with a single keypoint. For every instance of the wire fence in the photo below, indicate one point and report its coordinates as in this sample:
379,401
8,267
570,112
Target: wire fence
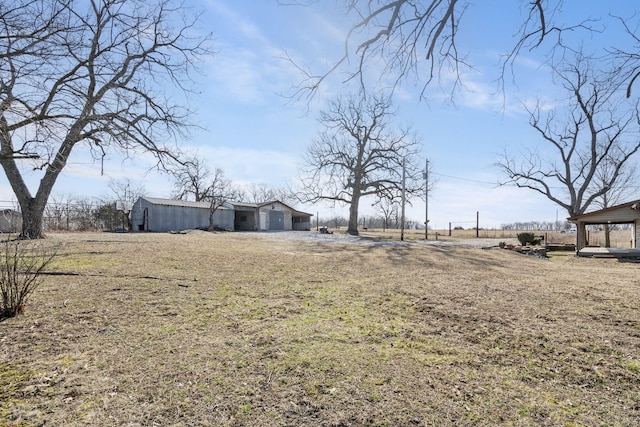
79,215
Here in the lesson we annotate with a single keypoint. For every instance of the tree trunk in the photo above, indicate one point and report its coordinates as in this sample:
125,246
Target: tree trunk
353,215
32,216
211,212
33,207
607,236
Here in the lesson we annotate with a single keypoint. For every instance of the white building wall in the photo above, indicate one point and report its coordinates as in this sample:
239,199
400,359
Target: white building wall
266,214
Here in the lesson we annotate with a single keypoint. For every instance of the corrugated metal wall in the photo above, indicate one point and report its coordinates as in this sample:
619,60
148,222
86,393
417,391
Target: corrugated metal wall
154,217
167,218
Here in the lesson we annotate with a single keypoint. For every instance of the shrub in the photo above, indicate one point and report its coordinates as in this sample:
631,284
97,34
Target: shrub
21,265
528,238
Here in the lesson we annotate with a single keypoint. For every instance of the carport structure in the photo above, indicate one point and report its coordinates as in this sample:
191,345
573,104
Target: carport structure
626,213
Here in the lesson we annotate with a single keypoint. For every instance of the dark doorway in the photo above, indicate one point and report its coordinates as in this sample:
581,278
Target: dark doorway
276,220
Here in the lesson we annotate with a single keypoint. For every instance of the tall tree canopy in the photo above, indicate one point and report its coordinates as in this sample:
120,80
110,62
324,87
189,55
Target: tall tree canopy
359,153
93,74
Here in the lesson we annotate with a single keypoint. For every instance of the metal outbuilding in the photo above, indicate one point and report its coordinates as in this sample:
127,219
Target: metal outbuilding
155,214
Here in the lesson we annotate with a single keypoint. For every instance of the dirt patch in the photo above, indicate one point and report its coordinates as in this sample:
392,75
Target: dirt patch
261,330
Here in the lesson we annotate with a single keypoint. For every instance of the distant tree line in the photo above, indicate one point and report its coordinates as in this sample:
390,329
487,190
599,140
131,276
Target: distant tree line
553,226
365,222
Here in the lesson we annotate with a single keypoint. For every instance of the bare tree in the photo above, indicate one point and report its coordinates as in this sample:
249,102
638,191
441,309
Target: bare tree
386,207
261,193
590,144
359,154
287,194
191,179
625,187
219,191
90,74
127,192
81,216
57,213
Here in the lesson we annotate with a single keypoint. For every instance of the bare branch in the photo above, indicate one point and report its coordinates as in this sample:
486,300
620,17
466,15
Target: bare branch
402,33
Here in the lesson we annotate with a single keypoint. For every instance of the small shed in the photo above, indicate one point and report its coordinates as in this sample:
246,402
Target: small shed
10,221
626,213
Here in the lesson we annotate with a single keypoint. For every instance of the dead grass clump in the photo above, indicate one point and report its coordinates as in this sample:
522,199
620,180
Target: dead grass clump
239,329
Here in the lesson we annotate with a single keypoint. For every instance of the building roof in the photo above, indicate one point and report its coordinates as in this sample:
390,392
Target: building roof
633,209
285,205
179,203
205,205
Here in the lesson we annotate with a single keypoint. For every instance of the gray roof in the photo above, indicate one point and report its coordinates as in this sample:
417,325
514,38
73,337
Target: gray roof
205,205
179,203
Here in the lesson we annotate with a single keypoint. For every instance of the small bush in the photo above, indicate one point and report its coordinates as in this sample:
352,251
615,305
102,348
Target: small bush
21,265
528,238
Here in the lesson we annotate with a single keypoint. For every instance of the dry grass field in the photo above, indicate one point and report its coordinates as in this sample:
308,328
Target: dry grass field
258,329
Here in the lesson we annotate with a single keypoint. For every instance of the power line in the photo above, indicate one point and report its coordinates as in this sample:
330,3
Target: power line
497,184
464,179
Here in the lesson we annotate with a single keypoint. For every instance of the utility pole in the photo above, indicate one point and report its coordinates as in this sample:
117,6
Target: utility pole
403,200
426,200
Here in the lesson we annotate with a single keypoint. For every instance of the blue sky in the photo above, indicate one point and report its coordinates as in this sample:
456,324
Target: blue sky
256,135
